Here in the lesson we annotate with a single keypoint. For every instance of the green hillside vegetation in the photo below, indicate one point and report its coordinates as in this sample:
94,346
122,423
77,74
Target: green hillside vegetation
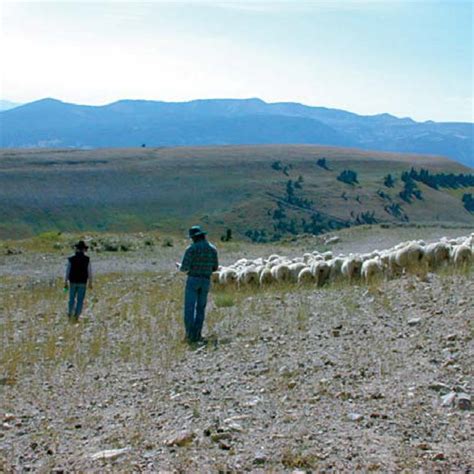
263,193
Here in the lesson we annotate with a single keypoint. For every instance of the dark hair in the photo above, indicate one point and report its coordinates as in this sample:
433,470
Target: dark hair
197,238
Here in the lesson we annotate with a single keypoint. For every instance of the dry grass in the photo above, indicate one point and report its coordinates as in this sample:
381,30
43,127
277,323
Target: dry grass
292,360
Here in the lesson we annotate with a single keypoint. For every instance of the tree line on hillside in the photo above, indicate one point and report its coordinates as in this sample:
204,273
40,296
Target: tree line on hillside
442,180
468,201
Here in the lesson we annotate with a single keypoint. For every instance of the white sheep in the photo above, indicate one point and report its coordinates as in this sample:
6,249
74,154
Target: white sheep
281,272
437,254
305,276
372,269
248,276
228,276
327,255
295,269
351,267
410,257
335,266
320,271
266,277
462,256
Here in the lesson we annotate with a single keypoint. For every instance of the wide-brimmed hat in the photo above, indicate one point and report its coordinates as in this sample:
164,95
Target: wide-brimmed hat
81,245
196,230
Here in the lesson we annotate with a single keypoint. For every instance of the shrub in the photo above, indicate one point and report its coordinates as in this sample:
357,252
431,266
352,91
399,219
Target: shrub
348,177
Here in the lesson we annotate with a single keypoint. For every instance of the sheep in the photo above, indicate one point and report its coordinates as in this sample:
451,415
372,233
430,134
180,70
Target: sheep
307,257
281,272
228,276
215,277
410,257
305,276
351,267
462,256
372,269
265,276
335,268
327,255
273,257
248,276
389,260
295,269
320,271
437,254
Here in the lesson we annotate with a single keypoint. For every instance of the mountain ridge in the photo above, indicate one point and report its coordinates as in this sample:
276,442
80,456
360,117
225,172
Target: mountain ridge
126,123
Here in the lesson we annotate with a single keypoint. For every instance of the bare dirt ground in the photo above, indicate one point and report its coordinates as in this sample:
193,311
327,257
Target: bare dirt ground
337,379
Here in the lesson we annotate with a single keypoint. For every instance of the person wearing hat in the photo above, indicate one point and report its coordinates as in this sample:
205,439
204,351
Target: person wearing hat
78,274
199,261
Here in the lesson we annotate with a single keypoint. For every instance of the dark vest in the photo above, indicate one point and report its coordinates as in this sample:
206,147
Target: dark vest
79,268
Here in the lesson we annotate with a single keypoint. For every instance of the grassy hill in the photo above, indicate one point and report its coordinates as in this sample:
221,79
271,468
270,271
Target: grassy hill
245,188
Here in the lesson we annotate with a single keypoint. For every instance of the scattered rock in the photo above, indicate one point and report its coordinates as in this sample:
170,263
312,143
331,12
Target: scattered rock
355,417
332,240
182,439
216,437
109,454
224,445
464,401
260,458
414,321
8,417
448,399
424,446
439,387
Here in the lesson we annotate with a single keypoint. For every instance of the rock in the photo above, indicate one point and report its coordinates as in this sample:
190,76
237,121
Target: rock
439,387
260,458
464,401
233,426
414,321
8,417
109,454
355,417
451,337
424,446
182,439
224,445
448,399
216,437
438,457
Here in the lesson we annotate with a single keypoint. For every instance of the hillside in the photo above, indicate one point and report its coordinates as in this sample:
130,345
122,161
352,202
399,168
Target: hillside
262,192
128,123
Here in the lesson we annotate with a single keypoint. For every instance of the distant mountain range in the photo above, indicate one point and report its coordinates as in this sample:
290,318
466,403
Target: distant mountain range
7,105
133,123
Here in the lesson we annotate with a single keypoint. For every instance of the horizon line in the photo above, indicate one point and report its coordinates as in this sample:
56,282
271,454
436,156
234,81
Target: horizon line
18,105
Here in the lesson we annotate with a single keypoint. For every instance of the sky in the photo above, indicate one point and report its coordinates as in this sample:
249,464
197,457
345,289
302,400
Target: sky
408,58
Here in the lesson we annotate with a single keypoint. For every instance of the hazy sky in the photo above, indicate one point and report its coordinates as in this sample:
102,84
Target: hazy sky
408,58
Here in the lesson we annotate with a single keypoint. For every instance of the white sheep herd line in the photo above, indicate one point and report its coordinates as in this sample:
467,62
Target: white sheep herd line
321,268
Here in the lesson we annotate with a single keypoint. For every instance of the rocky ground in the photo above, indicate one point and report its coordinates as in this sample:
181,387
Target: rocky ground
338,379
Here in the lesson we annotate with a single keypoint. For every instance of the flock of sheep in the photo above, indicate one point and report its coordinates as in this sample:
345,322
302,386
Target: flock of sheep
320,268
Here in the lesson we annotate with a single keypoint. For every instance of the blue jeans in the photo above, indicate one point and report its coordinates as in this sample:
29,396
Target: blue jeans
77,292
195,299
